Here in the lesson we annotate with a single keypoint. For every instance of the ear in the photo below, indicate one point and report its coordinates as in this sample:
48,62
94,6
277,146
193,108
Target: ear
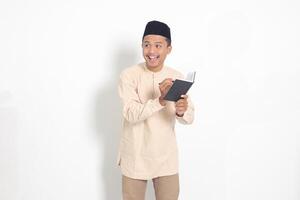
169,49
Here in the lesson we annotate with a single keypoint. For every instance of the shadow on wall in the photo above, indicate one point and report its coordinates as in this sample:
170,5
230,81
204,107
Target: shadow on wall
108,119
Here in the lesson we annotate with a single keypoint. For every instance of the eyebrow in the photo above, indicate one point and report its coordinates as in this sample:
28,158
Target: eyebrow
153,42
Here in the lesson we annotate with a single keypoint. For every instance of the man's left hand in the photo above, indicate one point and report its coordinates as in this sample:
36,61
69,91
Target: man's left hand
181,105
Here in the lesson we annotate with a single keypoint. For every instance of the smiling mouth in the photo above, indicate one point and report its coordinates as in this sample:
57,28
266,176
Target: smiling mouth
152,58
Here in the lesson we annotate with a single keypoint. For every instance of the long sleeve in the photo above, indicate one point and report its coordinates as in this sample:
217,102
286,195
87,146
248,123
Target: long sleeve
188,116
148,146
133,110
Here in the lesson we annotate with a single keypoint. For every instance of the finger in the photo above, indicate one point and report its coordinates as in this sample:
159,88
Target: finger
181,105
180,110
184,96
166,86
182,101
168,83
163,88
178,103
166,80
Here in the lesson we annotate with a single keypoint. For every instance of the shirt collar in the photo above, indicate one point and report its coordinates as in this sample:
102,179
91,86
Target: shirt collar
149,71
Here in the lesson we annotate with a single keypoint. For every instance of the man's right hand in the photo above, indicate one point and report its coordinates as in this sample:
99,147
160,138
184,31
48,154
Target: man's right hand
164,87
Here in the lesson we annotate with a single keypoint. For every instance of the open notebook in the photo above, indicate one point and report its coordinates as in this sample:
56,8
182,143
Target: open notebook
180,87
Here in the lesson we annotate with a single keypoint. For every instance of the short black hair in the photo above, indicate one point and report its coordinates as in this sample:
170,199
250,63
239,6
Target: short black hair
168,41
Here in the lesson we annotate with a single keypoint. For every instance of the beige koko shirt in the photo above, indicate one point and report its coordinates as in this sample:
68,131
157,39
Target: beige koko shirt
148,147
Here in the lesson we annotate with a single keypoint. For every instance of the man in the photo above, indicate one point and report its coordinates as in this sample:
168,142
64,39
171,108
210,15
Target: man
148,148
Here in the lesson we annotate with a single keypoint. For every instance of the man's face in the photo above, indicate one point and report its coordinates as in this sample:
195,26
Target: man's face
155,51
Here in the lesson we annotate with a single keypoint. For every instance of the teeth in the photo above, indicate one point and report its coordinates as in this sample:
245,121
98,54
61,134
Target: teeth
152,57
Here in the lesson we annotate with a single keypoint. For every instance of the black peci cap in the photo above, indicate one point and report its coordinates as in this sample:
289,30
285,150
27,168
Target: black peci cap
157,28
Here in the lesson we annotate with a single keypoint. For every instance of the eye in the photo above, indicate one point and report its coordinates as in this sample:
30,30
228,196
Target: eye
146,45
158,46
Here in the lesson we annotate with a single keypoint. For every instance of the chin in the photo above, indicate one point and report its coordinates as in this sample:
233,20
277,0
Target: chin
153,65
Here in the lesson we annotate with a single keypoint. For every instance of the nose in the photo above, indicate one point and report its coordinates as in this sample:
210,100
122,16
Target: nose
152,49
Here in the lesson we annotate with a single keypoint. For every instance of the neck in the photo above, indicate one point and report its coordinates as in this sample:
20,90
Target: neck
155,69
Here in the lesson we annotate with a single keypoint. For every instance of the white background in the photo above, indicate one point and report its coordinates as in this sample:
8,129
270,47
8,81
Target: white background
60,112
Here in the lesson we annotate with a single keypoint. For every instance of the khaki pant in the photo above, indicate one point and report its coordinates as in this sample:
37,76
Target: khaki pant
165,187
